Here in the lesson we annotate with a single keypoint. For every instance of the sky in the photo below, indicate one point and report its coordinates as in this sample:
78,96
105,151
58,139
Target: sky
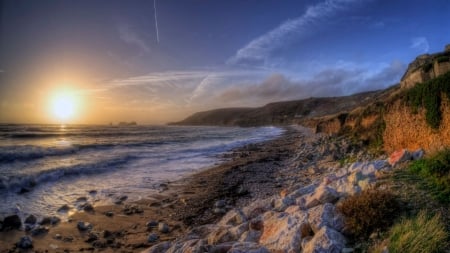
121,62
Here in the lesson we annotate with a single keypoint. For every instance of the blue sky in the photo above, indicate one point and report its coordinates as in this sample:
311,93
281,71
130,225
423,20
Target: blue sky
210,53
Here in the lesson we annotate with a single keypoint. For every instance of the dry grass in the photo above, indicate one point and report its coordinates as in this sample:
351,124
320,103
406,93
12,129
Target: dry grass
369,211
421,234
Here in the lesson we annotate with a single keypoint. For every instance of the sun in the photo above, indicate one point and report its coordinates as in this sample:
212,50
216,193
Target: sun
63,105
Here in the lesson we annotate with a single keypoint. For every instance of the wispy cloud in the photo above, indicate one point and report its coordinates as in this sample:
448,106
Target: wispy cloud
420,43
130,37
258,50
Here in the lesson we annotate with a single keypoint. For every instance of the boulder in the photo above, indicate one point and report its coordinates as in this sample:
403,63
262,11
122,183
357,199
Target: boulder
325,215
194,245
303,191
250,236
399,156
257,207
226,234
325,240
283,232
280,204
31,219
12,222
233,217
322,195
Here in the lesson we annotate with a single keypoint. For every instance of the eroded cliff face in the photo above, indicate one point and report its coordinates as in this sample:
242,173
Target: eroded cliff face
405,129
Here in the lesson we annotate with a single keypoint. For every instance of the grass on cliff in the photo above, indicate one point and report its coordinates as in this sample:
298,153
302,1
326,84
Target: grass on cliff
369,211
435,170
429,95
416,235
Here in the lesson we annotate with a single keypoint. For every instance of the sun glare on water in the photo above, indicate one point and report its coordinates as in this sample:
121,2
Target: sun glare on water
63,106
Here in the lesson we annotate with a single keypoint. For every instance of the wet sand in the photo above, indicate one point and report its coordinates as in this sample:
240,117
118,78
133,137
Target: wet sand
251,172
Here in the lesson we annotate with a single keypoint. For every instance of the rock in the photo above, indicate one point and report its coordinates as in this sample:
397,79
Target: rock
399,156
220,235
194,245
92,192
152,224
54,220
158,248
31,219
83,226
325,215
58,236
303,191
107,233
63,209
280,204
87,207
163,228
220,203
152,238
120,200
347,250
132,209
12,222
219,210
322,195
256,223
418,154
233,217
257,207
283,232
325,240
109,214
45,221
25,242
91,237
247,247
250,236
81,199
39,230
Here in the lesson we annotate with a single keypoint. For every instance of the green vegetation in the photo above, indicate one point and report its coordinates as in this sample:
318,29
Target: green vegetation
368,211
418,234
436,172
428,95
427,67
443,58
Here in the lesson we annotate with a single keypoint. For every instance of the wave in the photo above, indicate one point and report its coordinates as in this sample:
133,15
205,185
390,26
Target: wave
20,181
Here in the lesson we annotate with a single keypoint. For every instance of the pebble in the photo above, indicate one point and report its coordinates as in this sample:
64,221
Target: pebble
219,210
12,222
220,203
163,227
93,192
81,199
31,219
83,226
63,208
91,237
109,213
57,237
88,208
55,220
152,238
152,224
25,242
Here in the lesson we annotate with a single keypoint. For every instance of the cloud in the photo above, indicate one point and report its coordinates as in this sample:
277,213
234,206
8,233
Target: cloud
258,50
420,43
130,37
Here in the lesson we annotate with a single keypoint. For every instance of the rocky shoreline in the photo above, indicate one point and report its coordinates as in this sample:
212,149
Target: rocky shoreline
271,196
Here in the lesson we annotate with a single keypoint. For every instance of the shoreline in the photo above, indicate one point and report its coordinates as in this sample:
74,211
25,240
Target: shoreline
182,205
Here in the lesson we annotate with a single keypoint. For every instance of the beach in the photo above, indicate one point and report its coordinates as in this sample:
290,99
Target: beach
255,171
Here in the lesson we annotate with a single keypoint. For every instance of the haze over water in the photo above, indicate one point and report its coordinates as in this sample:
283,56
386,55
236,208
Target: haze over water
43,167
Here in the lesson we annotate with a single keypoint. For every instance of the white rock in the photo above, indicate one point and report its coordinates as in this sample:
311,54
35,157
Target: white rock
247,247
325,240
158,248
322,195
257,207
233,217
325,215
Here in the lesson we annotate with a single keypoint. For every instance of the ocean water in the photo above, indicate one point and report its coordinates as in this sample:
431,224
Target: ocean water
43,167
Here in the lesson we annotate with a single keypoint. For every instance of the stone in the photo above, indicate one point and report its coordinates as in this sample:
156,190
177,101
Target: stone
45,221
250,236
322,195
109,213
418,154
152,238
58,236
54,220
91,237
347,250
158,248
247,247
83,226
163,227
282,232
194,245
325,215
233,217
152,224
257,207
220,203
303,191
12,222
25,242
280,204
219,210
220,235
63,209
399,156
87,207
325,240
39,230
31,219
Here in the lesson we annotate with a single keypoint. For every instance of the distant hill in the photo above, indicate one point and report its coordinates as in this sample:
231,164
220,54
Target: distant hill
412,114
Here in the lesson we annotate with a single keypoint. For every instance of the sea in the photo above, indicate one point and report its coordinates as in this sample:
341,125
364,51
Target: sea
43,167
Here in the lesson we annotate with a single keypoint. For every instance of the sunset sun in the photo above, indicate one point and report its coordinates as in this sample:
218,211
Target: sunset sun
63,106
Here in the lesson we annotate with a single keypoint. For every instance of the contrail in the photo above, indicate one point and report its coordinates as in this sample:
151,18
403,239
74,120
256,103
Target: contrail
156,22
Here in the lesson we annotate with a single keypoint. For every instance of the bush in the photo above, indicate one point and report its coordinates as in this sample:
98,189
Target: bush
428,95
443,58
436,171
369,211
427,67
418,234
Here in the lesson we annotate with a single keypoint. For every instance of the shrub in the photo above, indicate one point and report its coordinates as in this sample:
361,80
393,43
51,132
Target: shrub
428,95
436,171
442,58
418,234
369,211
427,67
